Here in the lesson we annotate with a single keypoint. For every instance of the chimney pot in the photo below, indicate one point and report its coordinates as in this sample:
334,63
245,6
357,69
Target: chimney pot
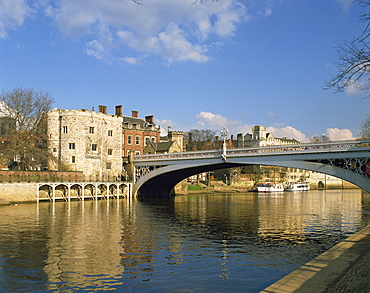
149,119
119,110
102,109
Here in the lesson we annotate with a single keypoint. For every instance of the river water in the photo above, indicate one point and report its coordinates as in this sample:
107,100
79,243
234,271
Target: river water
217,242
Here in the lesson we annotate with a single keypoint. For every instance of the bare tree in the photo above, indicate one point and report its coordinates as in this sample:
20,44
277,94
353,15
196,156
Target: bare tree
321,138
365,128
23,143
200,139
354,60
26,107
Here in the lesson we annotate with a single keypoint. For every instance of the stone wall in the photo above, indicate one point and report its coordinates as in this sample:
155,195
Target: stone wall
86,141
39,176
18,192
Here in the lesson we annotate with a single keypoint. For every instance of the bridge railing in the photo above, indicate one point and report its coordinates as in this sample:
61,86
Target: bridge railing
310,147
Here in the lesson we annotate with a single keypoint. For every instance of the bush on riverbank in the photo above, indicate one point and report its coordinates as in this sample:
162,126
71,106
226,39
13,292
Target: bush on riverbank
195,187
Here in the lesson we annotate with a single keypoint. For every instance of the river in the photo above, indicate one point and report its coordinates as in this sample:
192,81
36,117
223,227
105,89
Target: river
216,242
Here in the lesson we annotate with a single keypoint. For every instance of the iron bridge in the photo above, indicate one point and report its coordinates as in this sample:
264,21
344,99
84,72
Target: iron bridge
157,174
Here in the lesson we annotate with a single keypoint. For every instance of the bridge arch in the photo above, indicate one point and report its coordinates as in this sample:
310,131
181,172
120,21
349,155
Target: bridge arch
156,175
161,181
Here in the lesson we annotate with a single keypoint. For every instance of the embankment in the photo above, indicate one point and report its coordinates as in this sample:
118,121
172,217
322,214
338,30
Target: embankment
18,192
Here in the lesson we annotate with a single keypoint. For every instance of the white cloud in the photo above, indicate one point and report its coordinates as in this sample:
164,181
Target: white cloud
335,134
12,15
217,121
345,4
130,60
164,124
173,30
354,87
289,132
121,30
210,120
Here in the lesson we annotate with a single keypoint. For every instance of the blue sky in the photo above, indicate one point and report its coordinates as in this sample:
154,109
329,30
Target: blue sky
225,63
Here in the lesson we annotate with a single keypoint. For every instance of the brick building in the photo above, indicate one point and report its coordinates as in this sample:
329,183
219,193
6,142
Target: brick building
137,133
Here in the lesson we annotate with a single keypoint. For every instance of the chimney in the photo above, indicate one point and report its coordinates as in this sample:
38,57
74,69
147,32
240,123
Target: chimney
102,109
149,119
135,114
119,110
190,137
216,138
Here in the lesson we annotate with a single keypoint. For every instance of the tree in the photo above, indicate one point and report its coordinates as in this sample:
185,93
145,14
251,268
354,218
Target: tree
23,137
200,139
354,60
321,138
365,128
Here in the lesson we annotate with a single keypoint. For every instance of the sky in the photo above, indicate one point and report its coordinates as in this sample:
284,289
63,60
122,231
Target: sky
191,64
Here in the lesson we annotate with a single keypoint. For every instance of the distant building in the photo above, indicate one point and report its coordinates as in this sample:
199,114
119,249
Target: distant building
261,138
172,143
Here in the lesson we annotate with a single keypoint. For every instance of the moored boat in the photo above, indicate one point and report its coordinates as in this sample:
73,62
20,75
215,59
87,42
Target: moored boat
270,187
297,186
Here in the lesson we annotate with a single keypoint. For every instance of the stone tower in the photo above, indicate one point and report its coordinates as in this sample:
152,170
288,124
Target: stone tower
259,132
177,136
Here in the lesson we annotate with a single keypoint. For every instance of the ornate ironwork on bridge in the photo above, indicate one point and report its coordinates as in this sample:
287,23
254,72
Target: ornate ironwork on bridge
143,170
360,166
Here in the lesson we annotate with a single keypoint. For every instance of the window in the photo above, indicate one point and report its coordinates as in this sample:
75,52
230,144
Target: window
73,159
110,152
72,146
137,140
54,150
129,139
91,130
94,147
109,165
137,153
65,129
110,132
147,140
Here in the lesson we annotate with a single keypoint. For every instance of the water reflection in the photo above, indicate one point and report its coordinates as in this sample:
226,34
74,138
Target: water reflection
197,243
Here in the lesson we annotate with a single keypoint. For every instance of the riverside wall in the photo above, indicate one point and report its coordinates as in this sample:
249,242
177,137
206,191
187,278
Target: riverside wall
18,192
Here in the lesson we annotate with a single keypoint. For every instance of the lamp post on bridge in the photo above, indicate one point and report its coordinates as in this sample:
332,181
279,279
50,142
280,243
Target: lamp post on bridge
224,132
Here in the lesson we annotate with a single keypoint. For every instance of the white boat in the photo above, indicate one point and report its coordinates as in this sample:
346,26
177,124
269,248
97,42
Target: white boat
270,187
297,186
